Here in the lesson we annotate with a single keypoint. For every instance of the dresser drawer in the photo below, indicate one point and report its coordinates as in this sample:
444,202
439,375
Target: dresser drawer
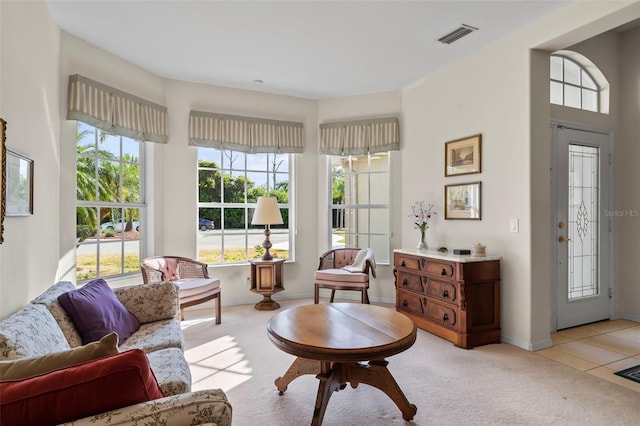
407,281
404,261
442,269
410,302
440,314
445,291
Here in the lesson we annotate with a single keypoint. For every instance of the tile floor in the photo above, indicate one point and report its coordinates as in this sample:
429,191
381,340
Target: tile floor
600,348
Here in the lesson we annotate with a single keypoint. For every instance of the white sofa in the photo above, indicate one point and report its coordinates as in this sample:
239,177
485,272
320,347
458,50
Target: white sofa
43,327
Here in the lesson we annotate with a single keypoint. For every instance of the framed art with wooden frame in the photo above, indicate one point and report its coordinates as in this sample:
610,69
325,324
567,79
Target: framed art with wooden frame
3,181
463,201
19,177
463,156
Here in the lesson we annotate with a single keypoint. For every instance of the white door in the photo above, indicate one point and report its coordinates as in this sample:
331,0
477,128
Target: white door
582,229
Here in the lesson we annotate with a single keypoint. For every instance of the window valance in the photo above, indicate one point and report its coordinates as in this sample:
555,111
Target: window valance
360,137
245,134
115,111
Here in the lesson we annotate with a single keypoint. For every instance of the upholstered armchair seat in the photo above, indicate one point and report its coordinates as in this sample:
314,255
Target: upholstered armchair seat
345,269
192,278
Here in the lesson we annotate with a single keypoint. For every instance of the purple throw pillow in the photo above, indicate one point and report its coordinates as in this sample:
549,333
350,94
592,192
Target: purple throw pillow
96,311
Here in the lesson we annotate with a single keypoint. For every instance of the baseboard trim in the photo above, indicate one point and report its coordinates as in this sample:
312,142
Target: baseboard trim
631,317
527,346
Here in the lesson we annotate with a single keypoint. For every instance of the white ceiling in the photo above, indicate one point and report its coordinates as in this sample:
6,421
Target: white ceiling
311,49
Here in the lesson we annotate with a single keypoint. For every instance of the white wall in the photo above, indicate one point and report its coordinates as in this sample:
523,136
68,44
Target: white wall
29,58
627,177
477,95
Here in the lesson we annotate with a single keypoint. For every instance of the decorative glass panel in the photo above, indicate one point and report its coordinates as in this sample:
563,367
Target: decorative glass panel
361,189
589,100
587,81
571,72
584,222
571,85
556,68
556,93
572,96
379,221
209,185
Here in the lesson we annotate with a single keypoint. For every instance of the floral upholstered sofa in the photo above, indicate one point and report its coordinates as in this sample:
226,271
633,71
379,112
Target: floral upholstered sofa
43,327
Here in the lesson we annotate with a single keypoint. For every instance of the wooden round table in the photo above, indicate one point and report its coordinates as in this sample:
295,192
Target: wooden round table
340,343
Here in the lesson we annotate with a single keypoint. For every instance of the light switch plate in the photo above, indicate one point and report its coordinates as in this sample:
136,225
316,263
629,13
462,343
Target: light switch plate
513,225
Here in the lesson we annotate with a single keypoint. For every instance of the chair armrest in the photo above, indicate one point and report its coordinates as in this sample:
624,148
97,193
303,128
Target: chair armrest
371,267
193,408
326,260
150,275
189,268
150,302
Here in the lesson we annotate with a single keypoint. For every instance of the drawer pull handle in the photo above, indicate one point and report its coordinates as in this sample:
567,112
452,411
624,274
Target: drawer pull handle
445,294
405,282
403,264
444,272
445,317
404,303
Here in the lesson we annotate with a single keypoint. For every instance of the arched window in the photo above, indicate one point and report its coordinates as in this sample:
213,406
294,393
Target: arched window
576,82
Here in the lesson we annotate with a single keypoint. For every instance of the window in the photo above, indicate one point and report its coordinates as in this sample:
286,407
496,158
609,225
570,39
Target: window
229,184
572,85
109,204
360,202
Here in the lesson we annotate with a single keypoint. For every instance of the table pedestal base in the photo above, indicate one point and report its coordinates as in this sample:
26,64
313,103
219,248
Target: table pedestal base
334,376
267,304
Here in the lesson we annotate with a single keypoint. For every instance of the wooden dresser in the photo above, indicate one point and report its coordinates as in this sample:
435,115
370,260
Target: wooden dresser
454,297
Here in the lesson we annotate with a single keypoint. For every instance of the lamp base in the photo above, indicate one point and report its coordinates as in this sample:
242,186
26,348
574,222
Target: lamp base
267,245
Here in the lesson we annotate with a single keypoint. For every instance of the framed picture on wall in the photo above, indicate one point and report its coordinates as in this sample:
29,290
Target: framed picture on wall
463,201
19,193
463,156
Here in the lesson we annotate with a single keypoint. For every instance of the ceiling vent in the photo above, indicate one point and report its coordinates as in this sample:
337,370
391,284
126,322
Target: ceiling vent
457,34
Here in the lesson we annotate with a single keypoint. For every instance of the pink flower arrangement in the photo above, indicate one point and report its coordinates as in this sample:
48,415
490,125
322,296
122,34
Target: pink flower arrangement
421,215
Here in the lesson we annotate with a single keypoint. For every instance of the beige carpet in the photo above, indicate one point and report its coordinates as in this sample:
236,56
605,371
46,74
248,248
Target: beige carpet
490,385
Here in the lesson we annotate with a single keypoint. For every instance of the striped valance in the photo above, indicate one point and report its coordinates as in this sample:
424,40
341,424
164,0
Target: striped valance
115,111
245,134
360,137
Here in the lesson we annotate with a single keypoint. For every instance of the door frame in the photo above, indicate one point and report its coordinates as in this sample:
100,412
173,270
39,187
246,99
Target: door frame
553,249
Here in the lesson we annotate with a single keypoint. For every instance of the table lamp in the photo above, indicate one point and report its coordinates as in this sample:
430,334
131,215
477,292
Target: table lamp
267,213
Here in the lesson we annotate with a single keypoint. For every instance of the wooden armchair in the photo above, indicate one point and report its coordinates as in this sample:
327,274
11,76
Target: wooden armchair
345,269
191,277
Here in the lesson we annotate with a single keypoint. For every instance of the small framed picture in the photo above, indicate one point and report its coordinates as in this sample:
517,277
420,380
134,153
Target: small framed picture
463,156
463,201
19,175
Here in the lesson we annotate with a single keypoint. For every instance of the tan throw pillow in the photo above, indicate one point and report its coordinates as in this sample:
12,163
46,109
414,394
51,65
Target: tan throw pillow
23,368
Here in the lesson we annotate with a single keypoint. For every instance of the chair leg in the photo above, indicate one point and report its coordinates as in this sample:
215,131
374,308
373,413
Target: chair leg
316,294
333,293
366,296
219,309
181,314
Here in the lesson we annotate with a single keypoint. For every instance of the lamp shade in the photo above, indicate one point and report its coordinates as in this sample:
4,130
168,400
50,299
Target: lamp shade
267,212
